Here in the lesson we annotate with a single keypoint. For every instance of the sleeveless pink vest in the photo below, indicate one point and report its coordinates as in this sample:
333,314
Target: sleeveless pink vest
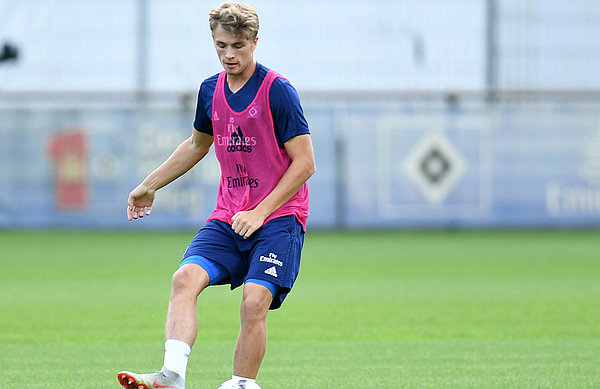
251,161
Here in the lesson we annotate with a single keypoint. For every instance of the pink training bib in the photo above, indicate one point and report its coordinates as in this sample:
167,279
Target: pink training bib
251,161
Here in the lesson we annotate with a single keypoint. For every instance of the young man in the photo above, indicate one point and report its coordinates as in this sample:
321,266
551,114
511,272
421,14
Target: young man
254,236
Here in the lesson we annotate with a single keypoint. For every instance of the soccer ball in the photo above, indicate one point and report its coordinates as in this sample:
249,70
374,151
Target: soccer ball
238,384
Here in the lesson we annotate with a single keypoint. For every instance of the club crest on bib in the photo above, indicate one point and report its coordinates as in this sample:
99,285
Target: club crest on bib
255,112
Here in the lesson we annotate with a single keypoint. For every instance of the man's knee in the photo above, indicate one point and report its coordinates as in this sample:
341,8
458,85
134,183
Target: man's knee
190,278
255,302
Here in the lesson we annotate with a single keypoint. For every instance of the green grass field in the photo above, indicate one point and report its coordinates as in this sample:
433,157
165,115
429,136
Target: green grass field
510,309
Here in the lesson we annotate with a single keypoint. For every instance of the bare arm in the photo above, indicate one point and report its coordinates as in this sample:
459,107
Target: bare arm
300,151
187,154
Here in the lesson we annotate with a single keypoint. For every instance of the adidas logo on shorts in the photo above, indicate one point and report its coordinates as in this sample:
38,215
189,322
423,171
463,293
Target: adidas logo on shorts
271,271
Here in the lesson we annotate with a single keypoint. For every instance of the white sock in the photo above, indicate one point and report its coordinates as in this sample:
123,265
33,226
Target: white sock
237,378
176,356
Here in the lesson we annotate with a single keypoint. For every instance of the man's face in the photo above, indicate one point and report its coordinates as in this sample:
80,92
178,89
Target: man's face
235,52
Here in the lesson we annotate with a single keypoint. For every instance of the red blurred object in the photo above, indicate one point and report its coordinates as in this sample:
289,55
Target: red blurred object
69,154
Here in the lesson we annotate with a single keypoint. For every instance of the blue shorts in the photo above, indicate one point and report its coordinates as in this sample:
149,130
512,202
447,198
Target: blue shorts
271,254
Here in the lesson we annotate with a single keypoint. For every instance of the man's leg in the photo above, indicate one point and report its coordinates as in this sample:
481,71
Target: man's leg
182,317
181,330
252,340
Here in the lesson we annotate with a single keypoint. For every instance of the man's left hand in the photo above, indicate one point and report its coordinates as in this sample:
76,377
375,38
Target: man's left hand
244,223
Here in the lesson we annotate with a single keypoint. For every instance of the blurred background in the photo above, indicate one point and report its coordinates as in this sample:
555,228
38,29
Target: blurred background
436,114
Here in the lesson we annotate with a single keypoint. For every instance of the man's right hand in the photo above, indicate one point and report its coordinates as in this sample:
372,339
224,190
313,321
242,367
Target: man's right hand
140,202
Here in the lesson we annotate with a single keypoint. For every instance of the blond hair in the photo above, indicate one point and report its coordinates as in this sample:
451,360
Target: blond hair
236,18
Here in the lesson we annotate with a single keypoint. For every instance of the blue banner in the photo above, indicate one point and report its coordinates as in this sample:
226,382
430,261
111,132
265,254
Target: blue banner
379,165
